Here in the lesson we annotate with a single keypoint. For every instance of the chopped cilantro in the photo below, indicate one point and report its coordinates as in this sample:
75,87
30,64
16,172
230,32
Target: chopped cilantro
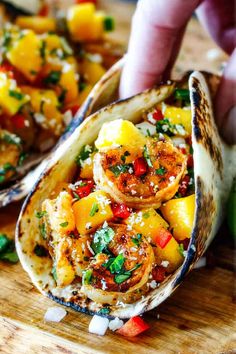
64,224
10,257
120,278
160,171
53,78
22,158
40,251
123,157
4,242
182,94
40,214
87,277
16,94
109,23
75,195
102,238
136,240
11,139
147,156
117,264
54,273
118,169
42,229
104,311
94,209
146,215
181,249
7,249
84,154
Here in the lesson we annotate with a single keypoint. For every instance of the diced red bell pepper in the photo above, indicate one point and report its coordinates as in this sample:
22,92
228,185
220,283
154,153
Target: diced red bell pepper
133,327
140,166
184,185
190,161
157,115
44,10
162,237
183,150
18,121
12,72
84,1
85,188
120,211
158,274
189,140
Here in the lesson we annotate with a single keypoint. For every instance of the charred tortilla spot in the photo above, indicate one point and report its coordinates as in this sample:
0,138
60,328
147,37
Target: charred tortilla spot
204,125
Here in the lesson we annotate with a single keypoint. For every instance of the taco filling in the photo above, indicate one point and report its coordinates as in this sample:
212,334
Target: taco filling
123,224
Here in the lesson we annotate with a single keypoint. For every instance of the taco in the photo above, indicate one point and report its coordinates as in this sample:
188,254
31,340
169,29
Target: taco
130,202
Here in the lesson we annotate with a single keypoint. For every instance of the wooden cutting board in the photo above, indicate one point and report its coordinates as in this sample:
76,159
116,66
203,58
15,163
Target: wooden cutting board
198,318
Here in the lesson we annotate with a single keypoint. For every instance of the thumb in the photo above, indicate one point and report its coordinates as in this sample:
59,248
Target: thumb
225,102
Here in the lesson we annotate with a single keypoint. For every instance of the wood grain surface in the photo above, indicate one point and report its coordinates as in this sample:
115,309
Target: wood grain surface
200,317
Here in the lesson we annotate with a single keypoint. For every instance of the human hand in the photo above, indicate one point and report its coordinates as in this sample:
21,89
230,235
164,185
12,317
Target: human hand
157,30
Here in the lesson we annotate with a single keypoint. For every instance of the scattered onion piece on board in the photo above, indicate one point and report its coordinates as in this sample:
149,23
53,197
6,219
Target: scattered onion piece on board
98,325
133,327
115,324
54,314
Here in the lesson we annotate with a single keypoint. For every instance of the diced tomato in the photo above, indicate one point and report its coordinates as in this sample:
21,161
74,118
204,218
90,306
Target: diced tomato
183,150
159,273
44,11
157,115
85,188
184,185
140,166
84,1
133,327
19,121
74,109
162,237
190,161
189,140
120,211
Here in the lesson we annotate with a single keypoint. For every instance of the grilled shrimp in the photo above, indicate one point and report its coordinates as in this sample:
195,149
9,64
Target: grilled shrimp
125,279
143,178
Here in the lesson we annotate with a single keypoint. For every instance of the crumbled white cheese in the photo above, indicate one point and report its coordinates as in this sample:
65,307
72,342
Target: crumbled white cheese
104,284
165,264
171,178
115,324
153,284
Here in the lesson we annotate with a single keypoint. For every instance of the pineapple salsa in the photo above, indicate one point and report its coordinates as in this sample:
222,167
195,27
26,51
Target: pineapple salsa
46,72
124,223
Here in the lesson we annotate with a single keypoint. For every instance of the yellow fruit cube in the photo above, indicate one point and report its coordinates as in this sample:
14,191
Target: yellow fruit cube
38,24
11,96
69,82
180,214
120,132
79,20
87,168
83,95
64,272
52,41
178,115
92,71
45,103
97,26
146,222
169,253
91,211
26,54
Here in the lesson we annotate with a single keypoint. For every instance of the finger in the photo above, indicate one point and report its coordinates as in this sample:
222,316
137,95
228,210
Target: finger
217,16
225,102
156,27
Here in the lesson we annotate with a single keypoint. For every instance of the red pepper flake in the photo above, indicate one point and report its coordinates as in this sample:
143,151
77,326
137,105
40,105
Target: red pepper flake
184,185
140,166
85,188
120,211
159,274
157,115
162,237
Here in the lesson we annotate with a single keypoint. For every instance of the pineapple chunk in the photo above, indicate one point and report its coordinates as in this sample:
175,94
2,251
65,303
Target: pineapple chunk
64,270
180,214
87,168
178,115
52,41
59,215
84,94
146,222
45,103
92,211
169,253
25,54
38,24
79,20
11,96
119,132
69,82
92,71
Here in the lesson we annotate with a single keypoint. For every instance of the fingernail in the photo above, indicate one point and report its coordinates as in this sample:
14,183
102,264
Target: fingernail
229,126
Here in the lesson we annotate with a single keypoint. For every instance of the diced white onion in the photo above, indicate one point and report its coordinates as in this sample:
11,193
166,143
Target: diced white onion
146,128
54,314
200,263
98,325
177,141
115,324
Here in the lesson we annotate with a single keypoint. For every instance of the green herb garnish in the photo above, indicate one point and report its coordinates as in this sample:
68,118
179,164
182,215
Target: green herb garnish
102,238
94,209
53,78
182,94
87,277
42,229
181,249
146,215
16,94
7,249
109,24
118,169
136,240
147,156
84,154
64,224
40,214
117,264
160,171
123,157
104,311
